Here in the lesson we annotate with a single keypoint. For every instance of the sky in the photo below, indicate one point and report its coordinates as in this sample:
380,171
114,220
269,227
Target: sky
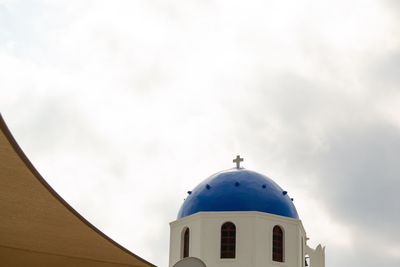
124,106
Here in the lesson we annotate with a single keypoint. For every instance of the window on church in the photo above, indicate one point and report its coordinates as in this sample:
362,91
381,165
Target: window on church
228,241
185,248
277,244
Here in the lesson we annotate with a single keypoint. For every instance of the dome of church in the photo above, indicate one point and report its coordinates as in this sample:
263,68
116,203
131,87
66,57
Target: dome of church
238,189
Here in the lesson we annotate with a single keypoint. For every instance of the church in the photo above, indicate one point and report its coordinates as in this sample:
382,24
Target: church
235,218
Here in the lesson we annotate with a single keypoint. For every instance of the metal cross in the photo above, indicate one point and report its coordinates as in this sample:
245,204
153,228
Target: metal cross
237,161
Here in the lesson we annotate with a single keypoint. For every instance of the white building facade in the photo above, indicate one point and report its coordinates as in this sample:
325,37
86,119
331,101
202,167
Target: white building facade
240,218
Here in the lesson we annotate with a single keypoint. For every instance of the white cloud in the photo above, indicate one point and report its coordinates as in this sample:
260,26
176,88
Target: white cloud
139,101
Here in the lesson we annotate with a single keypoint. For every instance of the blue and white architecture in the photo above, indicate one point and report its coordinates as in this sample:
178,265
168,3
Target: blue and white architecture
240,218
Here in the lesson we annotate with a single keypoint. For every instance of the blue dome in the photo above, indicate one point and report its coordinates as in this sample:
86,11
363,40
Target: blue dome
238,190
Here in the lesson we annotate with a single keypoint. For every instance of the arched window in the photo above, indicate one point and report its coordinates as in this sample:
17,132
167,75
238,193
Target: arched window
228,241
185,246
277,244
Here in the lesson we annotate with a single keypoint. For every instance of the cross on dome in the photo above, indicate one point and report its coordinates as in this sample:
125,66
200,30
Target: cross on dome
237,161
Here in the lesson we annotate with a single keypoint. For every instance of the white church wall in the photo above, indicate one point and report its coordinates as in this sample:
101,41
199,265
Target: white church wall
253,239
176,238
317,256
211,243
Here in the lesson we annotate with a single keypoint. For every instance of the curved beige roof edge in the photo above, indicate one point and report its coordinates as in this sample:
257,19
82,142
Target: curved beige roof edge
39,228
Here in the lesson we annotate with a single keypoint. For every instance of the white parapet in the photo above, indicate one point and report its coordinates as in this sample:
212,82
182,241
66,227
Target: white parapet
317,256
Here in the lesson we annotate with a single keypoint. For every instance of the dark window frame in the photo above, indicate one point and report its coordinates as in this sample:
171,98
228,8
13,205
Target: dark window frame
228,241
186,243
278,245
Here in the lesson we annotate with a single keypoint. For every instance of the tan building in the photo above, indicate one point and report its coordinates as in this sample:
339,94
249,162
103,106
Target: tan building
38,228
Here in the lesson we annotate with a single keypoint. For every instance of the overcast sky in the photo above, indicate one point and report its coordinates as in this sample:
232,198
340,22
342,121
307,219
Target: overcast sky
123,106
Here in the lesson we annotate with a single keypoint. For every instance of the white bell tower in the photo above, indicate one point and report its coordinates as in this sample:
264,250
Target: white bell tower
240,218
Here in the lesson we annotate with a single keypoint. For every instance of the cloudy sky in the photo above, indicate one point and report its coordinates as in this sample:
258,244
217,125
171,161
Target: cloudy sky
123,106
